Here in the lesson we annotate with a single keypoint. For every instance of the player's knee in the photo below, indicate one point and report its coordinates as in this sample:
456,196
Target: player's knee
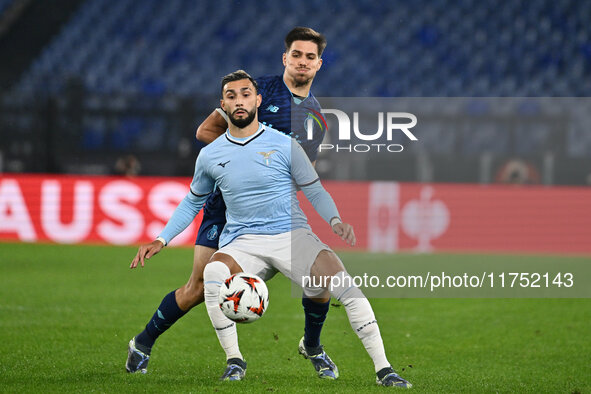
327,264
214,275
342,287
201,256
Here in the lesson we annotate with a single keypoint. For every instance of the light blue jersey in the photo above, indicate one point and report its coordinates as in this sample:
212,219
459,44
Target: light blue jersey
257,176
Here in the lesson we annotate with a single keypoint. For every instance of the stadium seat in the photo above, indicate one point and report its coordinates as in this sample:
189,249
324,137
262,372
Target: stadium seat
421,48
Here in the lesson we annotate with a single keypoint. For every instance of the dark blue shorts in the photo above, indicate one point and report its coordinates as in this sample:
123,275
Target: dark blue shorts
214,220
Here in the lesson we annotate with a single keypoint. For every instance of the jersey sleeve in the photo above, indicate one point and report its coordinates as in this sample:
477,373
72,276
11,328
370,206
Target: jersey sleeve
321,201
201,186
307,179
302,170
312,151
202,183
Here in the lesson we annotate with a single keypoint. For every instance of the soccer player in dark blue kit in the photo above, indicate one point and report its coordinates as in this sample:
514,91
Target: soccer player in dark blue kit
286,106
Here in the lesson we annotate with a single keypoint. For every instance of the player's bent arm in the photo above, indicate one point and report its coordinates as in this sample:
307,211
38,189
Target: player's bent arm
181,218
306,178
326,208
201,186
183,215
321,201
213,126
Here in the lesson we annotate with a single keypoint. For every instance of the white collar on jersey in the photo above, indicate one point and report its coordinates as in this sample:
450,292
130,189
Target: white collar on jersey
245,140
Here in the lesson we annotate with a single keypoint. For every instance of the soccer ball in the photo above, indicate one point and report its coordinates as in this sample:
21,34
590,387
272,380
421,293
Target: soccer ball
243,297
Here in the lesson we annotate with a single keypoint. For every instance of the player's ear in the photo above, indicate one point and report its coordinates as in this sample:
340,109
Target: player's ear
319,64
284,59
259,100
222,105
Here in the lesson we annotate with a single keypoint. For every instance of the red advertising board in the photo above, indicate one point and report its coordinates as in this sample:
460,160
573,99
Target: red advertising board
391,216
387,216
77,209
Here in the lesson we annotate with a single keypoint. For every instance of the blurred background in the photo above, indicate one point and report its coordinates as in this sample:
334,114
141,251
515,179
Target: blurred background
95,92
111,87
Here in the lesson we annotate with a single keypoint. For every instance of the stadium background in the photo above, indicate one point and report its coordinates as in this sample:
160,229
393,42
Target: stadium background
99,102
102,88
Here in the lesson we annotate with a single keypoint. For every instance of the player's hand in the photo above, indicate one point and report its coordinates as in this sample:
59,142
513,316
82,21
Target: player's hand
345,231
145,252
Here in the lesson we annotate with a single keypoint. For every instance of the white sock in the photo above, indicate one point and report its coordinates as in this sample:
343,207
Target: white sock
214,275
361,317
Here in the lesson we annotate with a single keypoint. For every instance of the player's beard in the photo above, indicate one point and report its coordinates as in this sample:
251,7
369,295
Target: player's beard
301,80
242,123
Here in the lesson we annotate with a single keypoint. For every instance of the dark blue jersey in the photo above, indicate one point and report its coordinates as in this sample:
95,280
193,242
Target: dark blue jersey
282,112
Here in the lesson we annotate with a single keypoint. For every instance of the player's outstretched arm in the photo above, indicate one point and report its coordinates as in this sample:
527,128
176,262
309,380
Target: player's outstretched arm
201,186
212,127
145,252
181,218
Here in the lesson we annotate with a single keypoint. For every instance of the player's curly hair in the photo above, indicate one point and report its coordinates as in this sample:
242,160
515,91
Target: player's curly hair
305,34
237,76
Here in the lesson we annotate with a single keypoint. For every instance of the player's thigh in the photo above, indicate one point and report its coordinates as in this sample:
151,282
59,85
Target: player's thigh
201,257
303,251
244,252
230,262
191,293
326,264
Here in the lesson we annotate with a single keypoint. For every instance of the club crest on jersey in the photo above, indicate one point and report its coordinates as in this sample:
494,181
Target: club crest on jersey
273,108
212,233
267,156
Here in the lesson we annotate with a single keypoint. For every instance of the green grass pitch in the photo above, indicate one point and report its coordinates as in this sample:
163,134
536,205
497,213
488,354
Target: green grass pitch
67,313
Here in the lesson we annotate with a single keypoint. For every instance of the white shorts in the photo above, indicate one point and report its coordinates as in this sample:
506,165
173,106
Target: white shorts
291,253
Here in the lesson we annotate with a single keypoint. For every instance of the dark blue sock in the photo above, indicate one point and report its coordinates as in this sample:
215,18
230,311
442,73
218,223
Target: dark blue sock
165,316
315,315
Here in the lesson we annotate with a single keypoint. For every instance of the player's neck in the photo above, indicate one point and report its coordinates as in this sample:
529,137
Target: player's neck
249,130
301,90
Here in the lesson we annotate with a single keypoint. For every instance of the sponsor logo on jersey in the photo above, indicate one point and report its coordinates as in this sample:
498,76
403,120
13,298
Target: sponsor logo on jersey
273,108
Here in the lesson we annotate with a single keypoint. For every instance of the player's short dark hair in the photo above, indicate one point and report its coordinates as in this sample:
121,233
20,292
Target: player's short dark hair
305,34
237,76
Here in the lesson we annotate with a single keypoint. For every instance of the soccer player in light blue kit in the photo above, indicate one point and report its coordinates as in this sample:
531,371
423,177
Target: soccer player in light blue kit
257,170
287,103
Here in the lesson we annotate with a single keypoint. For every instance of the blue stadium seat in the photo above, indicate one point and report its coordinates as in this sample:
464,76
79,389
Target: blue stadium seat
5,5
420,48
